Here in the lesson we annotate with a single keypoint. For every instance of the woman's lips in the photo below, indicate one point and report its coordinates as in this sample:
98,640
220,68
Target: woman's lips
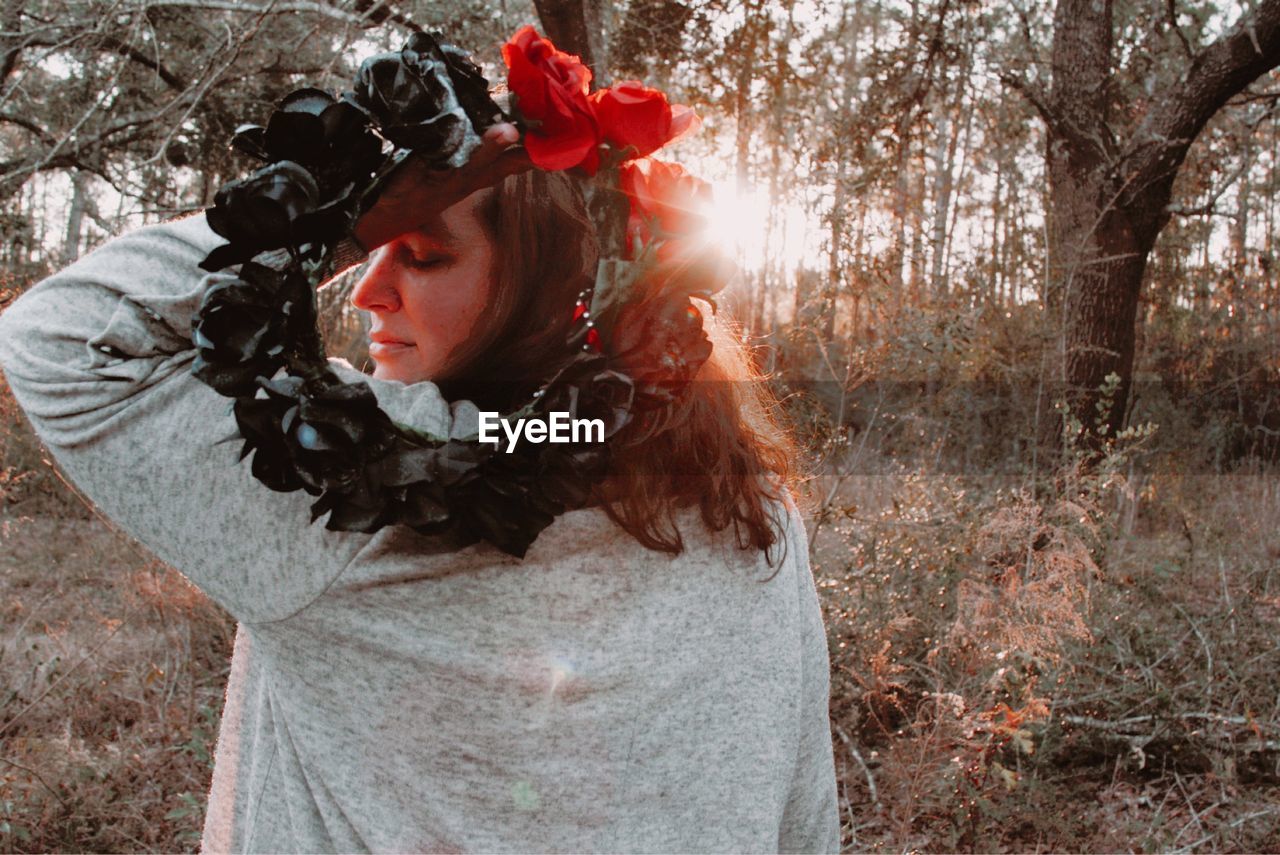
388,348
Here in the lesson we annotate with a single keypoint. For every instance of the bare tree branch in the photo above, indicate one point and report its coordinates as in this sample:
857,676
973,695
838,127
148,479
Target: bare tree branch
12,46
1171,13
112,44
1035,97
376,12
269,9
1208,207
1217,73
71,151
27,124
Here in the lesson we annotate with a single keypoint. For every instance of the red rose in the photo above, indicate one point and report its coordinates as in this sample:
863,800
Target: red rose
632,114
664,198
551,93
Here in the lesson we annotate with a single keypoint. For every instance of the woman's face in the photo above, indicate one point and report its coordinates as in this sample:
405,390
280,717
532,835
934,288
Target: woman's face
426,291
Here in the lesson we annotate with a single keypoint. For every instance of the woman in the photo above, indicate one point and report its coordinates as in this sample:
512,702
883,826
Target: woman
643,680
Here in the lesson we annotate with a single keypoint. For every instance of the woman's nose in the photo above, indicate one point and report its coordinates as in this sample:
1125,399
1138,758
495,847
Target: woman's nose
377,289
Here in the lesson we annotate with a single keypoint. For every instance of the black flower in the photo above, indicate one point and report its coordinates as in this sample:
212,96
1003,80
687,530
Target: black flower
271,208
241,331
329,136
357,506
333,431
469,85
325,431
259,422
423,506
566,474
448,463
661,344
588,391
424,485
426,99
504,505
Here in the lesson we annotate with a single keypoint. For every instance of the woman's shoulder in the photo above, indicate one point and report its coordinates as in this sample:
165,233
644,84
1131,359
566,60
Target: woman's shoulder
591,534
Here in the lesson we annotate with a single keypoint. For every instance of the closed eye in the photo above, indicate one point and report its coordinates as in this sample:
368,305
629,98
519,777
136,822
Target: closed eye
427,262
427,259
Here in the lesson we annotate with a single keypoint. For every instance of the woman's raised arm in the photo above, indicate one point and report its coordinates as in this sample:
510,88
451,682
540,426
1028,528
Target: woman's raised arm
99,356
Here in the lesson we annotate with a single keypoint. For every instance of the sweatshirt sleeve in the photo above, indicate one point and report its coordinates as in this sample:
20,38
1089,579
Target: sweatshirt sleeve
99,356
811,820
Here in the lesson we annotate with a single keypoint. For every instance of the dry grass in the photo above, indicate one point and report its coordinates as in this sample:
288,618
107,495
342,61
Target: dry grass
113,670
1091,673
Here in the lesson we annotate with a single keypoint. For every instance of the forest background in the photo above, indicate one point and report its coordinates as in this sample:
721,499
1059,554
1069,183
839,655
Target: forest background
1011,267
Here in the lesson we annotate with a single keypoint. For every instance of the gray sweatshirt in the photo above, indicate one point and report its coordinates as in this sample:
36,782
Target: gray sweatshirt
389,695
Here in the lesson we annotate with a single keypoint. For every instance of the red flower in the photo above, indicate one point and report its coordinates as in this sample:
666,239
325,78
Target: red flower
632,114
666,200
551,93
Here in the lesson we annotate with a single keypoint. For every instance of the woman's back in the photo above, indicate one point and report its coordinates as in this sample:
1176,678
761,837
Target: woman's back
595,696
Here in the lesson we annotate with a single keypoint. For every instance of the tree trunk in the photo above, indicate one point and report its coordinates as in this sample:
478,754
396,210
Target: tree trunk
10,40
916,263
836,274
944,154
75,217
998,275
1109,197
745,75
779,140
957,170
744,116
1240,227
577,27
902,190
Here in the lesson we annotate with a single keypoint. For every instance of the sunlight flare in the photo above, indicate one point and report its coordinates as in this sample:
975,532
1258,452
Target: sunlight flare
740,222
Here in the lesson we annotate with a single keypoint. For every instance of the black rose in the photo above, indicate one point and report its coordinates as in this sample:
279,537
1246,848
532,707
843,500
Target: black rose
259,422
448,463
270,209
327,430
566,474
423,506
356,506
505,505
661,344
469,85
328,136
411,94
608,396
243,326
588,391
331,429
421,484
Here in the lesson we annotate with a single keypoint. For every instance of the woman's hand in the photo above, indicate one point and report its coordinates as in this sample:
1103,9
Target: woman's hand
417,192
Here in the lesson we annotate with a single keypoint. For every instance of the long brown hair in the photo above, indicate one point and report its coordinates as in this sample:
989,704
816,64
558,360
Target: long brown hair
721,448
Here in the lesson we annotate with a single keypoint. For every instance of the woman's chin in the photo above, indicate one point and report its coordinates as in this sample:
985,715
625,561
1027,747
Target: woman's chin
385,372
398,370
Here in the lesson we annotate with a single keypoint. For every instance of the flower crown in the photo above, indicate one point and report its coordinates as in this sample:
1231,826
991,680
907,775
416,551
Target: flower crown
637,338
